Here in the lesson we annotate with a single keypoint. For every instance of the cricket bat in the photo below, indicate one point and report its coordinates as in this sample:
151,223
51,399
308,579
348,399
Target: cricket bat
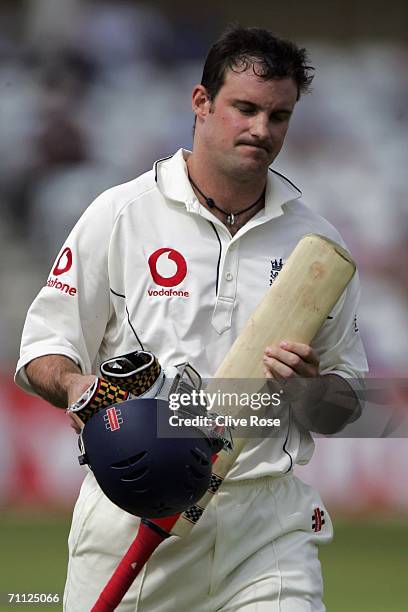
294,309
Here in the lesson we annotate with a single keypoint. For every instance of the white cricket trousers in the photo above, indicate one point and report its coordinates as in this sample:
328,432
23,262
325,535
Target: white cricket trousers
254,550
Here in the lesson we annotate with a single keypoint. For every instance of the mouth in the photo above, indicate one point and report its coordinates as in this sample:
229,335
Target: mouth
254,145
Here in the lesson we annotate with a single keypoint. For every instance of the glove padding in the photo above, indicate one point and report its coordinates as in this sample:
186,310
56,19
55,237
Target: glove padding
136,374
139,375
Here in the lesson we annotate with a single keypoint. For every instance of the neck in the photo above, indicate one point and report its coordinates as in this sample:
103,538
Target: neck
232,209
232,193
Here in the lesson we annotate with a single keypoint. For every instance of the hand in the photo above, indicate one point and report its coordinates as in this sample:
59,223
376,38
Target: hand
288,360
296,366
76,385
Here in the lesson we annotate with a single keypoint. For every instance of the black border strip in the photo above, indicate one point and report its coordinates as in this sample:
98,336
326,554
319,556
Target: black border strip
116,293
286,179
287,438
128,317
219,255
158,162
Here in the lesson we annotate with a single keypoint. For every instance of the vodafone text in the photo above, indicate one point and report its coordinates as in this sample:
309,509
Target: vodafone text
64,287
167,292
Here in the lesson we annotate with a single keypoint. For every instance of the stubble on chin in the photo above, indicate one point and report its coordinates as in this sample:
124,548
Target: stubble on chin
245,170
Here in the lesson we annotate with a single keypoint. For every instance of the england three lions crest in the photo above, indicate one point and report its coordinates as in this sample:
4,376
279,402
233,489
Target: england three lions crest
276,267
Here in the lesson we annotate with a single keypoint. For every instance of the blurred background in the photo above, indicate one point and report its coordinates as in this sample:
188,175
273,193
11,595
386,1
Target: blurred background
91,94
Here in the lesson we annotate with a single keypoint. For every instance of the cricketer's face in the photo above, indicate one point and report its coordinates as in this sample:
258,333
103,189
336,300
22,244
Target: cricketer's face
244,127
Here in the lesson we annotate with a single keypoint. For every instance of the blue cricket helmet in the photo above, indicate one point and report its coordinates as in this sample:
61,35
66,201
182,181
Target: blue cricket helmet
146,475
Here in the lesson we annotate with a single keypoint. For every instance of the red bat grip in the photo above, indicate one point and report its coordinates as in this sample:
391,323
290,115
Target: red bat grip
142,547
150,534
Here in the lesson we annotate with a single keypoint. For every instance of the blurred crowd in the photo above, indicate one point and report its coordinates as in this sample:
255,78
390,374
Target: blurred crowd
93,93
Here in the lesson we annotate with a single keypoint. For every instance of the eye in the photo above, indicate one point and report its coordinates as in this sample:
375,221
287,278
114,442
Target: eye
280,117
246,110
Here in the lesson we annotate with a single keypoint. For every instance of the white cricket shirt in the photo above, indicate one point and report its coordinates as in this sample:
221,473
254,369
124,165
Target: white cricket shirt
148,266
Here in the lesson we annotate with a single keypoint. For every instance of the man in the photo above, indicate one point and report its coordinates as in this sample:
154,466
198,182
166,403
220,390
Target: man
175,262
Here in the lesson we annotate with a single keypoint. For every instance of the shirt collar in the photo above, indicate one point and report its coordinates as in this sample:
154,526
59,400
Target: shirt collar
172,181
279,191
172,178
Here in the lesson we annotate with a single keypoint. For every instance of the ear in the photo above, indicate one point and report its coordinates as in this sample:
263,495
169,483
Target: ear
201,103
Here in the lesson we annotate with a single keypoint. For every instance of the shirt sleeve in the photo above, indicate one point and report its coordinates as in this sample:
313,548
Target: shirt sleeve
338,342
70,313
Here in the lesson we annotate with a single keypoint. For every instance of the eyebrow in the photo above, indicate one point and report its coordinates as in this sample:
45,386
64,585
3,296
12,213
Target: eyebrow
255,106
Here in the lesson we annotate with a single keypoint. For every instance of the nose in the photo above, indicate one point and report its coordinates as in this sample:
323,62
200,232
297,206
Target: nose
260,126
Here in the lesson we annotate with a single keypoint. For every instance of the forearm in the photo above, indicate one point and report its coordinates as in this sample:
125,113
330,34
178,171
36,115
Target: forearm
51,376
329,406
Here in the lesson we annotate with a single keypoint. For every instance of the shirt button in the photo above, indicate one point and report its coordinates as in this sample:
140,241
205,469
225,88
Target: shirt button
229,276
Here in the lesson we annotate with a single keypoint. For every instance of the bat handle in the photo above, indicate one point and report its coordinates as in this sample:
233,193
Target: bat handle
148,538
150,534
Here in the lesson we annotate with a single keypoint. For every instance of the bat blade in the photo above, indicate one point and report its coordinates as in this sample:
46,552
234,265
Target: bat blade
295,307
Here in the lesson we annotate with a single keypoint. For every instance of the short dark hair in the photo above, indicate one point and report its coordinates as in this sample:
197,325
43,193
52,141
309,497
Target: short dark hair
271,57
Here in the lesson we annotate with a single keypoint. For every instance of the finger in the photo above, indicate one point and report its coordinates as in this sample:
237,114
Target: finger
75,428
292,360
278,369
284,356
303,350
76,422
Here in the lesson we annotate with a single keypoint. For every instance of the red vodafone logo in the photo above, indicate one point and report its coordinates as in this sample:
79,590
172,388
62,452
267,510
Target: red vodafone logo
64,262
177,277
